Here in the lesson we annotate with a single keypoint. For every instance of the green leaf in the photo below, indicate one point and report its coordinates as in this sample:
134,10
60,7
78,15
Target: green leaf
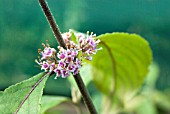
152,76
146,107
96,98
12,97
120,68
67,107
73,37
149,102
161,99
1,92
48,102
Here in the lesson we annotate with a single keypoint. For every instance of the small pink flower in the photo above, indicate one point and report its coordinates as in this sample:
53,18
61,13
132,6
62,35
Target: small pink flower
47,52
52,66
88,58
76,71
45,66
69,59
61,64
58,72
65,73
68,51
66,36
71,67
74,53
80,35
78,63
61,55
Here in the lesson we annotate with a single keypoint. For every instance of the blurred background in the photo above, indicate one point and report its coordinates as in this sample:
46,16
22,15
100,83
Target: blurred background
23,28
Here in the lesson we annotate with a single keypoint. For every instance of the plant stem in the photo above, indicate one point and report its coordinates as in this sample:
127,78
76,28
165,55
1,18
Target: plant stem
77,77
52,23
85,94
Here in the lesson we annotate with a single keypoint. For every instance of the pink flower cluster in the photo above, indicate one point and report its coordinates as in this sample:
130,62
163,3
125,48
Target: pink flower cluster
68,60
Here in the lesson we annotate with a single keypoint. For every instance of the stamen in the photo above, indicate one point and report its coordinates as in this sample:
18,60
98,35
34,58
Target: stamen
47,44
43,45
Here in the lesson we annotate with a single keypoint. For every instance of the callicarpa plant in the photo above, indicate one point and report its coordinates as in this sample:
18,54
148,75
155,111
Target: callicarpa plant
117,63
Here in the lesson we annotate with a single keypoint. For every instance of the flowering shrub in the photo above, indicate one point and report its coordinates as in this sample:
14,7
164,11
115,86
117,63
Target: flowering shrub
120,73
66,61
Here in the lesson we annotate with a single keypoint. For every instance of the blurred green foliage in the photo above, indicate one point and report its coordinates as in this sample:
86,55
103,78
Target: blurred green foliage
23,28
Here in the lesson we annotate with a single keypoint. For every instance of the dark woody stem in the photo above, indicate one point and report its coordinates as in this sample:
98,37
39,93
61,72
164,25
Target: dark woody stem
77,77
85,94
52,23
